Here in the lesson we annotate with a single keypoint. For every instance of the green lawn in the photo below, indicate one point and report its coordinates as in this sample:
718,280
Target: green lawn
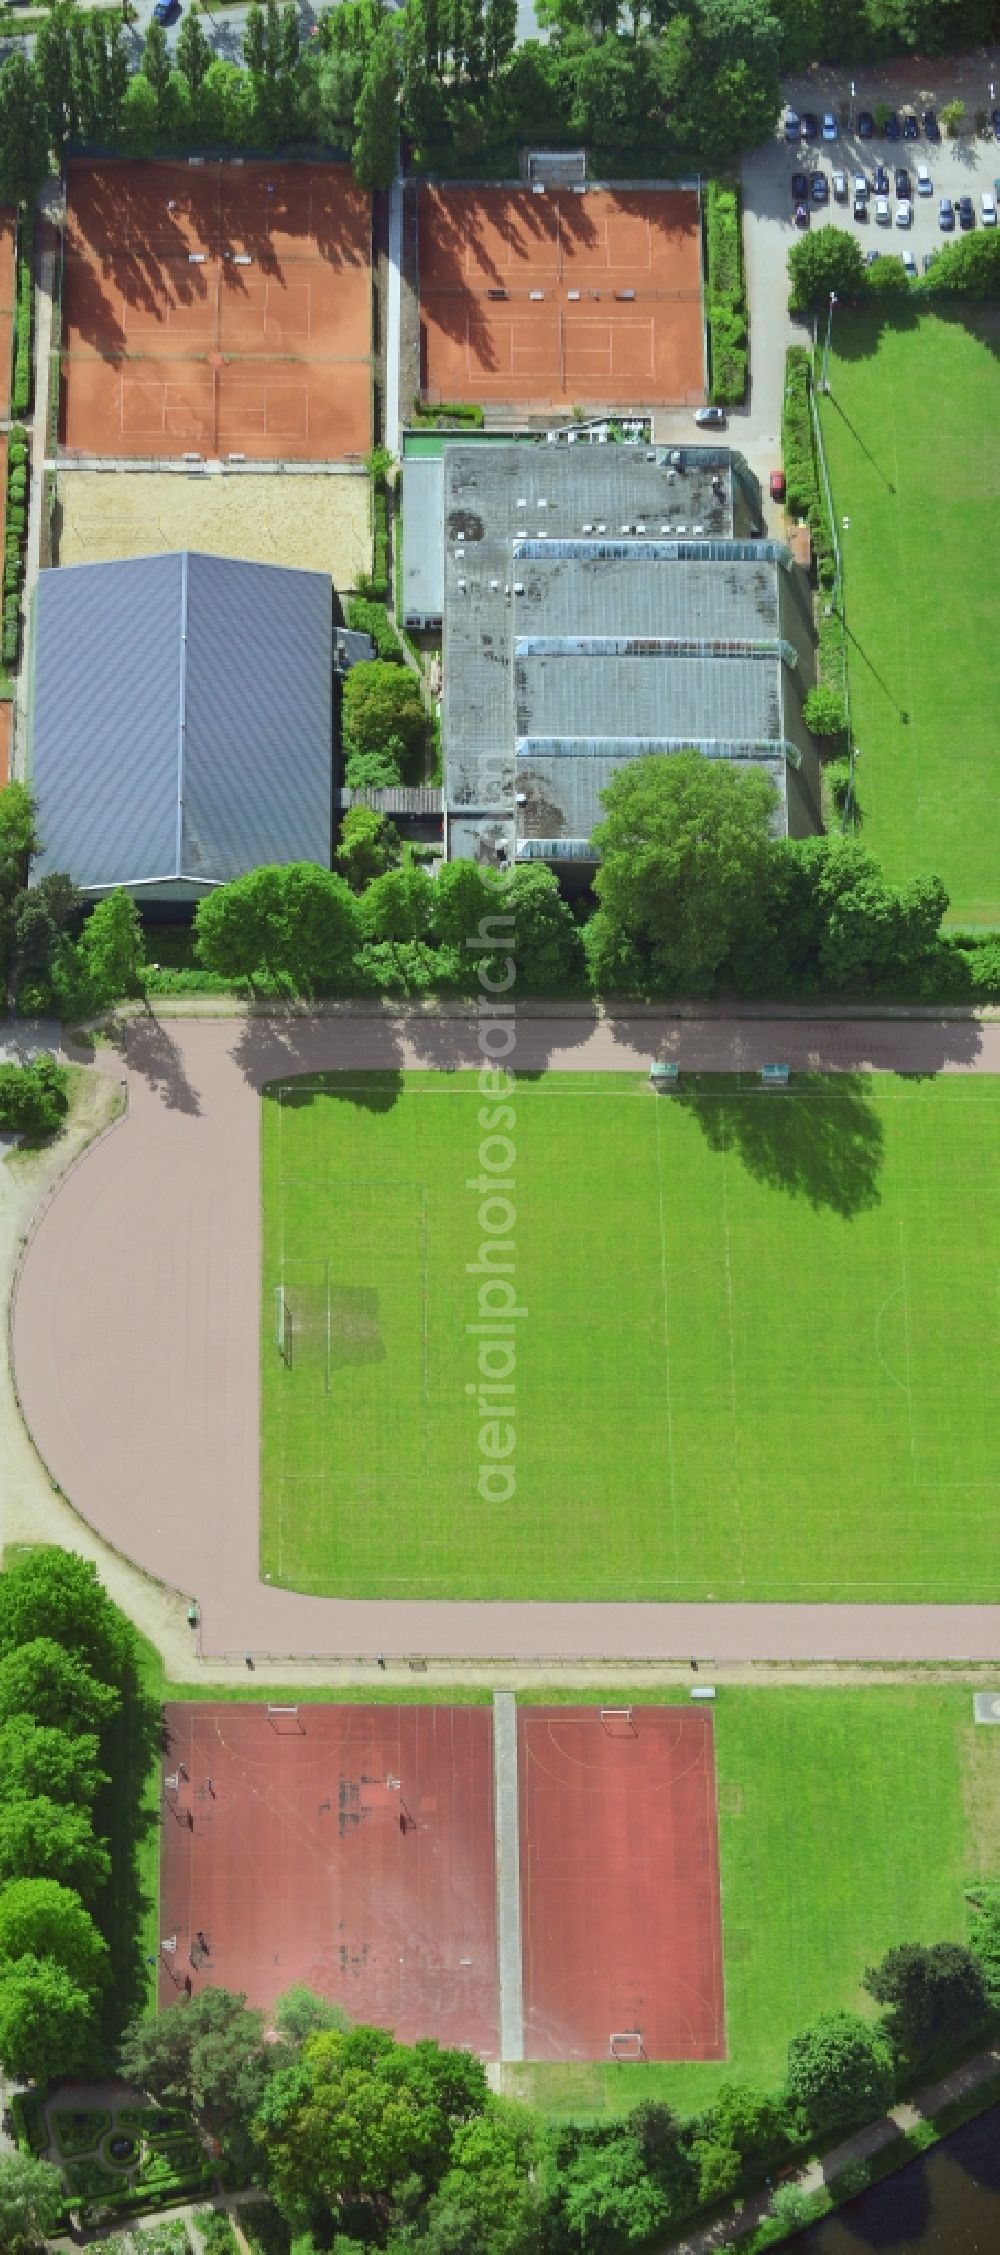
757,1358
912,432
847,1822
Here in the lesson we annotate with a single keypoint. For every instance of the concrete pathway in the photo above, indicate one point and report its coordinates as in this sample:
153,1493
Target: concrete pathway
392,320
137,1352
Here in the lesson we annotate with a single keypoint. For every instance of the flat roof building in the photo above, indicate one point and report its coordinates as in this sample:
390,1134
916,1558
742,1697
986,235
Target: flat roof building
601,603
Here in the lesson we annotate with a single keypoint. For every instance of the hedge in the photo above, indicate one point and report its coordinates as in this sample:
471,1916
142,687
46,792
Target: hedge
364,616
14,532
28,2115
454,411
20,390
804,498
724,297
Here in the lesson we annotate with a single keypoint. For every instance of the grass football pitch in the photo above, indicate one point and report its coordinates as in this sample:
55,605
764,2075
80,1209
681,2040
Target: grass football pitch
757,1360
912,433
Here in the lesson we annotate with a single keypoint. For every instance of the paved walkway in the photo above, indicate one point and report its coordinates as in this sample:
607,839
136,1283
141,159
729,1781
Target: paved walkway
392,322
137,1352
862,2145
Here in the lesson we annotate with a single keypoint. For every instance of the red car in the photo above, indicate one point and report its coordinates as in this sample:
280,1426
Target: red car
777,485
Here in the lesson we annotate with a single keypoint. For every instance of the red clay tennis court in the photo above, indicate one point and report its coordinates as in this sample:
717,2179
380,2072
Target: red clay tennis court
7,246
561,298
347,1847
216,308
621,1914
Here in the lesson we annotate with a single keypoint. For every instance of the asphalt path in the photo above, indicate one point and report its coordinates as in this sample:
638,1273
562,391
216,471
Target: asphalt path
136,1343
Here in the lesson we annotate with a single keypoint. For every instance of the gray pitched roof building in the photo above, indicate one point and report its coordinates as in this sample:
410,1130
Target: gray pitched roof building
601,603
180,721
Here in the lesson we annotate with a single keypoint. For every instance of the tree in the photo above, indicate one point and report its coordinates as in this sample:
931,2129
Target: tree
19,843
58,1691
375,771
54,1593
952,116
500,35
208,2056
225,106
295,927
300,2013
112,950
37,1758
824,711
489,2198
685,848
33,1098
140,115
24,130
984,1933
376,117
369,845
31,2202
42,916
156,59
54,71
46,2020
839,2071
397,906
382,703
359,2115
544,945
967,268
463,897
41,1840
40,1918
254,40
194,54
608,2197
824,262
936,1997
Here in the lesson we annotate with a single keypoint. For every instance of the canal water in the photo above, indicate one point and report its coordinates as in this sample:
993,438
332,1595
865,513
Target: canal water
946,2203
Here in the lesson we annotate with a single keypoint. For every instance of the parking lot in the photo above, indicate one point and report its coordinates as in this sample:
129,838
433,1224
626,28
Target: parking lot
825,177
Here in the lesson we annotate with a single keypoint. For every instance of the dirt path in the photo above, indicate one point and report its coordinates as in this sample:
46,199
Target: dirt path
136,1344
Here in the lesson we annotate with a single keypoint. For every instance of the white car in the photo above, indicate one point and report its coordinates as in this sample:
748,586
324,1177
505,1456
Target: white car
909,264
925,185
839,187
904,215
882,213
988,207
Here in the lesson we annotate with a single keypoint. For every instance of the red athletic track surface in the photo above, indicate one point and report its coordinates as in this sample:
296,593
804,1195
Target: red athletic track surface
293,1865
621,1918
135,1331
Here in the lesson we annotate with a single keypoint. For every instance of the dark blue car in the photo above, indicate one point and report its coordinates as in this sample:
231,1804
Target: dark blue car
931,126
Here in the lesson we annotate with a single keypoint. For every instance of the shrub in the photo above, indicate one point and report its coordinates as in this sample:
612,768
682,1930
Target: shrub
30,2128
217,2235
727,327
367,617
455,411
382,703
372,771
79,2132
824,712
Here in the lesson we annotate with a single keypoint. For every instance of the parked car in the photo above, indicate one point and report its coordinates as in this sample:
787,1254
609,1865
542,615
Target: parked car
802,215
839,187
988,208
892,126
710,418
793,125
810,126
883,216
909,265
871,256
859,184
166,10
946,215
966,212
902,182
931,126
911,126
829,126
800,185
866,125
904,214
860,207
819,188
995,122
925,184
777,484
881,180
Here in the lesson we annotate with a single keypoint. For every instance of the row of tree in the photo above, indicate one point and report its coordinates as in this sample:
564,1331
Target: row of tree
73,1717
397,2146
56,951
831,261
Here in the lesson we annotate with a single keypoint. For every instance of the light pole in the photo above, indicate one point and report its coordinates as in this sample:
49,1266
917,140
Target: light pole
853,93
824,381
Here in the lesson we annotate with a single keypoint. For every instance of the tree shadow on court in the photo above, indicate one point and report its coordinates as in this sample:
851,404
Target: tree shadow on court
825,1146
150,1050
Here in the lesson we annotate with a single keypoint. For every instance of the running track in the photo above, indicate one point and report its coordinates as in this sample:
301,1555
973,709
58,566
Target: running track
136,1334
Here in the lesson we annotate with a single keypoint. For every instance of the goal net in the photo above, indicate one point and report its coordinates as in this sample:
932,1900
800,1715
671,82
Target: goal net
283,1325
286,1722
556,168
303,1322
618,1722
627,2044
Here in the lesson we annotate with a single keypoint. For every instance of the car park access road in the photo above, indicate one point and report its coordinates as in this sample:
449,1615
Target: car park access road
137,1350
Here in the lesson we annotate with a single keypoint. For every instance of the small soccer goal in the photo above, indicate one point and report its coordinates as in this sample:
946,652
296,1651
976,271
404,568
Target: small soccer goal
286,1722
556,168
618,1722
283,1325
303,1322
626,2044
